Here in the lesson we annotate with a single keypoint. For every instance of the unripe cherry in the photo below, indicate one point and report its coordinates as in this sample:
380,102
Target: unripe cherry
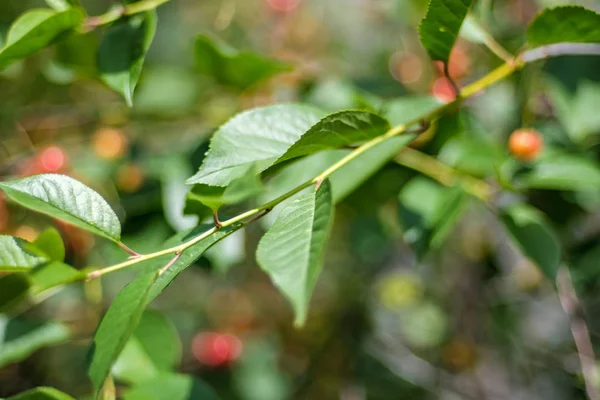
130,177
525,144
216,349
110,143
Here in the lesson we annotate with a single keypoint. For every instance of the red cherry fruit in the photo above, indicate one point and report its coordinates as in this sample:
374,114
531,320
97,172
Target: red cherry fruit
283,6
525,144
443,90
52,159
216,349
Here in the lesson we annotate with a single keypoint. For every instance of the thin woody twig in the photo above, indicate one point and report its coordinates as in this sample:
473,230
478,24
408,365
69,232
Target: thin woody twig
570,303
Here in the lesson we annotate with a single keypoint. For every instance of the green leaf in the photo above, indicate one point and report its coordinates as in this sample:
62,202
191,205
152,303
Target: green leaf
337,130
472,155
188,256
405,109
577,112
53,274
428,212
117,326
65,198
573,24
17,254
171,387
42,393
13,288
441,26
123,50
21,338
230,67
529,229
61,5
50,243
559,171
291,252
253,140
343,181
35,30
237,191
472,31
154,347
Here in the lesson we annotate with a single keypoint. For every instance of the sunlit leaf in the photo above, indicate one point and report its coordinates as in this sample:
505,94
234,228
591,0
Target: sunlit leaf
253,140
564,24
35,30
17,254
558,171
231,67
21,338
118,324
41,393
123,50
51,244
405,109
291,252
441,26
65,198
61,5
171,387
529,229
216,196
337,130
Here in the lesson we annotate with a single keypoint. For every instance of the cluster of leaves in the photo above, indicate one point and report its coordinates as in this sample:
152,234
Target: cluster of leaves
315,158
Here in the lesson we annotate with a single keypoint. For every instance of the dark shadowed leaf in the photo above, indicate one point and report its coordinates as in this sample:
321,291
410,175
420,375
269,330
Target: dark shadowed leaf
35,30
441,26
534,236
291,252
65,198
171,387
20,338
428,212
231,67
564,24
123,50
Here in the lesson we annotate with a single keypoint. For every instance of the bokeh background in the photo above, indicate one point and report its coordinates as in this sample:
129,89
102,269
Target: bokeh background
472,320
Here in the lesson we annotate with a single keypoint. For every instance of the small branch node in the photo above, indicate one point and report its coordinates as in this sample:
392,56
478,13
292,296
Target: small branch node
318,183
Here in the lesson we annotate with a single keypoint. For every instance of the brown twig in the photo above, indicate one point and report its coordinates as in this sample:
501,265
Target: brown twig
170,263
130,251
570,303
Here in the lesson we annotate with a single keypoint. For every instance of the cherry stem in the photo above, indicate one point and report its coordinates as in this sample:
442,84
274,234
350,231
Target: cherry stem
218,223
